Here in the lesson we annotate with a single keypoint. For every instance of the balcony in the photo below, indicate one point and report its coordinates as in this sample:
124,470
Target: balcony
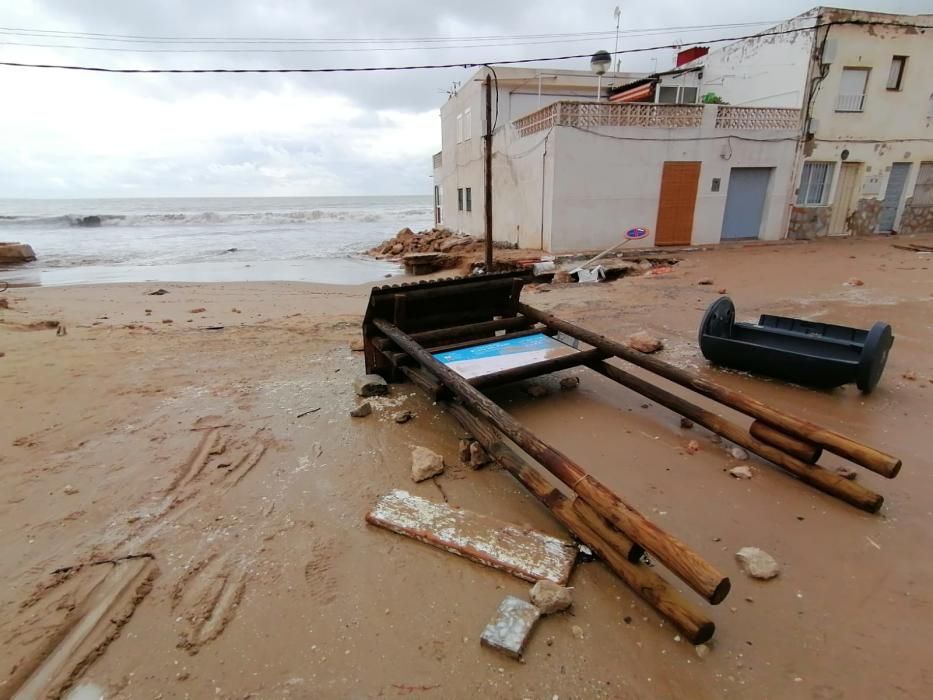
638,114
850,103
438,160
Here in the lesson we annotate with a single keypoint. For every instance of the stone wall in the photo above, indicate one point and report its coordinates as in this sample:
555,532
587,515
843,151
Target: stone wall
864,219
809,222
916,218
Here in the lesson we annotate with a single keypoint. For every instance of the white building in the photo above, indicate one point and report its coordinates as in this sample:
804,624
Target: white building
863,83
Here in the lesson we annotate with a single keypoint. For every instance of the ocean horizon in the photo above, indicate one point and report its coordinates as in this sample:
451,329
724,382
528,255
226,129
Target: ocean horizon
207,239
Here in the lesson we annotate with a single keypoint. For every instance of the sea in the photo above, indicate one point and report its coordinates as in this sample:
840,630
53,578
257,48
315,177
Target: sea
209,239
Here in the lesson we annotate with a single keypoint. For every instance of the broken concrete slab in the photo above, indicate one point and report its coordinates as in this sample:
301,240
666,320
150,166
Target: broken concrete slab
370,385
527,554
511,627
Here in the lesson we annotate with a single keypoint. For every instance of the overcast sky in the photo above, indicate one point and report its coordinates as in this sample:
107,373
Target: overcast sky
71,134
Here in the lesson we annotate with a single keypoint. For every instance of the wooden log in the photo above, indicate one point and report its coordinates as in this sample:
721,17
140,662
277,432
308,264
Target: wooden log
812,474
838,444
487,339
697,573
426,382
618,552
536,369
801,449
503,285
470,330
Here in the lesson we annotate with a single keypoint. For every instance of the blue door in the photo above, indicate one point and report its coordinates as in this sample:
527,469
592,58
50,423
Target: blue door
745,202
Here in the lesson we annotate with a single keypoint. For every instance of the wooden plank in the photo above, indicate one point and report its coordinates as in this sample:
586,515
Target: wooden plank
527,554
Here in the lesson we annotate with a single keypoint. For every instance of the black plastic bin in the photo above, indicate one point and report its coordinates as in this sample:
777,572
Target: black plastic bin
803,352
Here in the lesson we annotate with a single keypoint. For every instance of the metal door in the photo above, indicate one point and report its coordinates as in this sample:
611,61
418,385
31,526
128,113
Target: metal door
676,202
745,202
845,191
892,196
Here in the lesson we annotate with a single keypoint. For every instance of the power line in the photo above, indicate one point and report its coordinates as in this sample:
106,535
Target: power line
462,64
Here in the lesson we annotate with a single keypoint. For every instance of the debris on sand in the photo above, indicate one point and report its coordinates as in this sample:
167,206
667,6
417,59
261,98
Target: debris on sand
402,416
741,473
757,563
425,463
701,650
705,280
693,447
738,453
853,282
536,391
562,277
437,240
644,342
910,376
464,452
846,472
70,490
577,632
199,310
158,292
362,410
478,456
686,423
569,383
370,385
510,628
356,345
550,597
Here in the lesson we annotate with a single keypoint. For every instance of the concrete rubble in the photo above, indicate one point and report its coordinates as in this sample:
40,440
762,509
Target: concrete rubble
757,563
511,627
425,463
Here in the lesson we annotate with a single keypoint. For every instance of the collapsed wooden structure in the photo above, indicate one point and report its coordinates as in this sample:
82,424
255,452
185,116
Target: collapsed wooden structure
411,332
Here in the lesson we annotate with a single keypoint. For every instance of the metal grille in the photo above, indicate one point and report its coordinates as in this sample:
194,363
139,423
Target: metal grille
438,160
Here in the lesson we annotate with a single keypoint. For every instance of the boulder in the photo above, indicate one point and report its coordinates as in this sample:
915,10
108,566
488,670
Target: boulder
425,463
16,253
644,342
757,563
370,385
550,597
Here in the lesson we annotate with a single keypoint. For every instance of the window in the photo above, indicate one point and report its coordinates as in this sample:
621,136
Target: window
852,90
460,127
677,95
467,124
469,199
459,199
815,182
896,74
923,190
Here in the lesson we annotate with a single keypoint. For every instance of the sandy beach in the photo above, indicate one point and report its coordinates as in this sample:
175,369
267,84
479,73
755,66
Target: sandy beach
205,434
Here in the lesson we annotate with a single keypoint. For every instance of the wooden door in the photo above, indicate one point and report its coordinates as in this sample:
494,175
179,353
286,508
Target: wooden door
676,202
845,193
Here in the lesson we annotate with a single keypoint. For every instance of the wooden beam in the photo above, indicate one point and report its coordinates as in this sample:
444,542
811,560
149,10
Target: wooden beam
536,369
488,339
801,449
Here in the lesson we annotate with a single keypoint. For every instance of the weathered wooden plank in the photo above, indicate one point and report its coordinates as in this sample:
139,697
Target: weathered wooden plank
527,554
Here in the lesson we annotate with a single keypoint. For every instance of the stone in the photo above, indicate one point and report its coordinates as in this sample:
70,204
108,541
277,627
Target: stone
198,310
569,383
13,253
701,650
738,453
644,342
715,439
511,627
721,290
356,345
370,385
693,447
550,597
536,391
425,463
910,376
686,423
478,456
402,417
741,473
397,249
363,410
464,451
561,277
757,563
854,282
577,632
705,280
167,320
158,292
70,490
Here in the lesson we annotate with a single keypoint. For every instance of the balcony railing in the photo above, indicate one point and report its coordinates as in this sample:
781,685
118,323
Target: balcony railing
756,118
438,160
850,103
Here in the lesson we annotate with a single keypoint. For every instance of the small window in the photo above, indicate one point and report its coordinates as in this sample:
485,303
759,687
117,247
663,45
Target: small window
677,95
815,182
896,74
469,199
467,124
852,90
459,199
460,128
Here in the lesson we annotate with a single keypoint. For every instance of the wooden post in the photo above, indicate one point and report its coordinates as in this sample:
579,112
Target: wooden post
487,189
536,369
701,576
618,552
866,456
801,449
812,474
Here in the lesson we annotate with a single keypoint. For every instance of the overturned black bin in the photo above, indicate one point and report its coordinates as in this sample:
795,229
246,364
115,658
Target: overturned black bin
803,352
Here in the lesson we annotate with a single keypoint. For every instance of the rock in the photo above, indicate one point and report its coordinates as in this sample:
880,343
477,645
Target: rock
12,253
738,453
701,650
158,292
741,473
910,376
356,345
561,277
370,385
550,597
402,417
644,342
70,490
686,423
693,447
199,310
715,439
478,456
721,290
854,282
167,320
705,280
536,391
464,452
577,631
363,410
569,383
846,473
425,463
397,249
757,563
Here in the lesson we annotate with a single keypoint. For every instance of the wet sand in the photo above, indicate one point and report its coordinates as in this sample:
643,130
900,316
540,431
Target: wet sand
130,436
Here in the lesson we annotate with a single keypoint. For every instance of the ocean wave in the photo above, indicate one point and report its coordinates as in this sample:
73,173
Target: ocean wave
207,218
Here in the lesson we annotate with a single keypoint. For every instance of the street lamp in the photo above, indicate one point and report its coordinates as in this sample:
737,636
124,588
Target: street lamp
599,64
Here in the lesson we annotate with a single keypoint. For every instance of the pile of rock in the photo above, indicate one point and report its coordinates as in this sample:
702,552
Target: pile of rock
16,253
438,240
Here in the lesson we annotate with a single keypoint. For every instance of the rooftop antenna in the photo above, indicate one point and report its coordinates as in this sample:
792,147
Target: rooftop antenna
618,15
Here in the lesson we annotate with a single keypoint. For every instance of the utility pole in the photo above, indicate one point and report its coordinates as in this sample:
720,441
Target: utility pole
487,206
618,16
